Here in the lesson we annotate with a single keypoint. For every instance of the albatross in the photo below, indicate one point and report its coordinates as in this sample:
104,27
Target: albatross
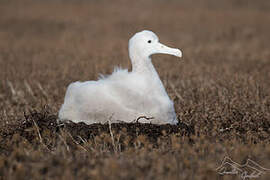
124,96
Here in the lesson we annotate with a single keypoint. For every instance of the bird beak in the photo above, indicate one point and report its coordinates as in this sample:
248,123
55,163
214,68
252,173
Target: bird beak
162,49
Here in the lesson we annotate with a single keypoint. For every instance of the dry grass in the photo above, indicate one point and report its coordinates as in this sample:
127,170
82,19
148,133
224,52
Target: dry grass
220,88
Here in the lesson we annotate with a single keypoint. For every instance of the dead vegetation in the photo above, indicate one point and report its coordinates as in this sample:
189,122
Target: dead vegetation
220,88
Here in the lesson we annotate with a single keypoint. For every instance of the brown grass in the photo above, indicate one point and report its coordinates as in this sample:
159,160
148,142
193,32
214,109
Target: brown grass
220,88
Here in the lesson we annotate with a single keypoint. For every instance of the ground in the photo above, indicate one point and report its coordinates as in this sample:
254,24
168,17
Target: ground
221,88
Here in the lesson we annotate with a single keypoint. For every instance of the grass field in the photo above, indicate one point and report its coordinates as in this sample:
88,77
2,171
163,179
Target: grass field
221,88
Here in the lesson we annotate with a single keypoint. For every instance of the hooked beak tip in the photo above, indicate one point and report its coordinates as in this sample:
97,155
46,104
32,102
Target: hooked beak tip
179,53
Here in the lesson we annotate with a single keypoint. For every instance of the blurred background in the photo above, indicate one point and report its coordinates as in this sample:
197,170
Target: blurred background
45,45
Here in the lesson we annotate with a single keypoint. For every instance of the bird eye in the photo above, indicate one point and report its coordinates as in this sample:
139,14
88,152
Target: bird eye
149,41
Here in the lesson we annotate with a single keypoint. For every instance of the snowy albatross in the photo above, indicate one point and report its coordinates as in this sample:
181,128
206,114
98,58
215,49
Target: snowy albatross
124,96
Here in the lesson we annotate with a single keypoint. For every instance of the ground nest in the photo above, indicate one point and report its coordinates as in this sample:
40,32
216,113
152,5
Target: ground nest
43,127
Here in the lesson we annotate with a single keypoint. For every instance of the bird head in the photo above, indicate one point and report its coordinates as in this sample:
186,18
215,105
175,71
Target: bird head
146,43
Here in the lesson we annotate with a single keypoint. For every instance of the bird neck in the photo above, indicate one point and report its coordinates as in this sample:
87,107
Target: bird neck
144,67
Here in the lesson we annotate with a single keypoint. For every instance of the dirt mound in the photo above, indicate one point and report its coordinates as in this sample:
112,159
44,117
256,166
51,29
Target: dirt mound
43,127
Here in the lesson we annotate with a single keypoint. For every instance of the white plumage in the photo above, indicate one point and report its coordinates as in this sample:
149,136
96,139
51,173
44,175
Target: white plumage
124,96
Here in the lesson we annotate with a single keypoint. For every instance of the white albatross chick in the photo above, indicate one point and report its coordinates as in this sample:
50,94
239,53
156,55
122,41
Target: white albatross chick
124,96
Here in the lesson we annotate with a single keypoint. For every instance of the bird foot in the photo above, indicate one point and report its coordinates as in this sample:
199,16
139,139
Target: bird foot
142,117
